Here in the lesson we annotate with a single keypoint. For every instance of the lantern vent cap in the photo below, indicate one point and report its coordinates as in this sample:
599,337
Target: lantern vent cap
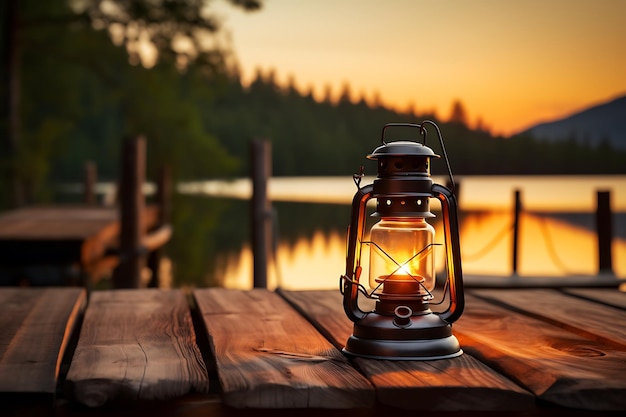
402,148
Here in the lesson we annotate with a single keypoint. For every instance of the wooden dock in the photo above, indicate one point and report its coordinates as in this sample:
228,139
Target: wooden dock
93,240
86,237
220,352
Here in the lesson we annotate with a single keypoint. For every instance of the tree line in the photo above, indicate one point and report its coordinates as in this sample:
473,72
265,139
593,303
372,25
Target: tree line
329,137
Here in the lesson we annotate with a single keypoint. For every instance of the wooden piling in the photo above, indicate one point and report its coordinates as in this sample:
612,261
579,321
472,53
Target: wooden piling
132,208
517,208
604,229
261,222
163,198
90,179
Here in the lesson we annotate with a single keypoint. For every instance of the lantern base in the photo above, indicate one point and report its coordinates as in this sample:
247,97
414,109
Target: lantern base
425,337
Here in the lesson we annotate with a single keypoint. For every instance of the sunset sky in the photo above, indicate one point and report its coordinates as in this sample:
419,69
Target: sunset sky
511,63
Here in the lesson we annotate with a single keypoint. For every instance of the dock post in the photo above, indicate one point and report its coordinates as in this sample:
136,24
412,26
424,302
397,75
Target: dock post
163,198
604,228
261,224
516,220
89,183
132,204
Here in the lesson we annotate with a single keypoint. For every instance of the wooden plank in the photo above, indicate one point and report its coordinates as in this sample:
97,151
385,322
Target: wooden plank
461,383
37,324
558,366
600,280
52,235
136,345
61,235
610,297
55,222
268,356
156,238
589,319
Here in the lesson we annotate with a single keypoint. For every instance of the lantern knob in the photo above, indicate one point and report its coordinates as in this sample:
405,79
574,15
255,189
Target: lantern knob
402,316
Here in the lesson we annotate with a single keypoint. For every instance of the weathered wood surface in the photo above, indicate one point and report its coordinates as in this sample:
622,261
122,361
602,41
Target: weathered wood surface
601,280
136,345
61,234
268,356
55,222
587,318
557,365
461,383
139,345
604,296
36,325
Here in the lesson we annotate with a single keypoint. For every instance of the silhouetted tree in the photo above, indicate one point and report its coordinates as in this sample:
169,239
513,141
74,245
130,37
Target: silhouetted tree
458,113
345,96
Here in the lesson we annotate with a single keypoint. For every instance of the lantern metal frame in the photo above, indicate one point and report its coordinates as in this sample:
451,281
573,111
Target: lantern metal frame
405,329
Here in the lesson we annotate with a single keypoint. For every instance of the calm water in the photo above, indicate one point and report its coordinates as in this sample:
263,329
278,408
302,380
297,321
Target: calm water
557,237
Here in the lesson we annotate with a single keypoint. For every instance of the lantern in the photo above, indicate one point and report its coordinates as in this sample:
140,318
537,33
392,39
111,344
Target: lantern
401,245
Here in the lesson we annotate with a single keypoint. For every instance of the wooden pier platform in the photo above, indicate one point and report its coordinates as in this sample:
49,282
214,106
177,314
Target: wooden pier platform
87,237
220,352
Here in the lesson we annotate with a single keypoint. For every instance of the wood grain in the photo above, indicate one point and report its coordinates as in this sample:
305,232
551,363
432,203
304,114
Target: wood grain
610,297
558,366
416,385
268,356
587,318
136,344
36,325
62,234
55,222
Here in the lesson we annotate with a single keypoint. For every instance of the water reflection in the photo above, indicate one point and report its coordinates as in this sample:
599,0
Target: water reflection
313,257
550,244
309,263
210,245
211,241
477,192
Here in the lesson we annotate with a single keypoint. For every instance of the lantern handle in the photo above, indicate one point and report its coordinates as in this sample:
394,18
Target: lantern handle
443,150
423,132
350,281
453,253
418,126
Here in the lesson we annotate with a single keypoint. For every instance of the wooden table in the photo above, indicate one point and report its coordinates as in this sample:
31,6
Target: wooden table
220,352
62,236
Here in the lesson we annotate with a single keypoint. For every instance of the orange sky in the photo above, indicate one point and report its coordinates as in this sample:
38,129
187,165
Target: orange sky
511,63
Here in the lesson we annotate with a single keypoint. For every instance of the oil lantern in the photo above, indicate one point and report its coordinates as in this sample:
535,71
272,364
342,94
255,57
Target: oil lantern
402,275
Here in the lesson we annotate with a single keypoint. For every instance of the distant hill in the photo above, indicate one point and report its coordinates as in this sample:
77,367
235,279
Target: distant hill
604,121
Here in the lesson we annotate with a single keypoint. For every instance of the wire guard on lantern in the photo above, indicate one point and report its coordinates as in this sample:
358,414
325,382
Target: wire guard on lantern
372,294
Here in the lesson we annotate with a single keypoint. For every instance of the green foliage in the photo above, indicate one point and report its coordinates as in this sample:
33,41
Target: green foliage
179,29
79,93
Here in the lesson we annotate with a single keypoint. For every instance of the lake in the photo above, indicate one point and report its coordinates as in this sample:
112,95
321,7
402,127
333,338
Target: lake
557,236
